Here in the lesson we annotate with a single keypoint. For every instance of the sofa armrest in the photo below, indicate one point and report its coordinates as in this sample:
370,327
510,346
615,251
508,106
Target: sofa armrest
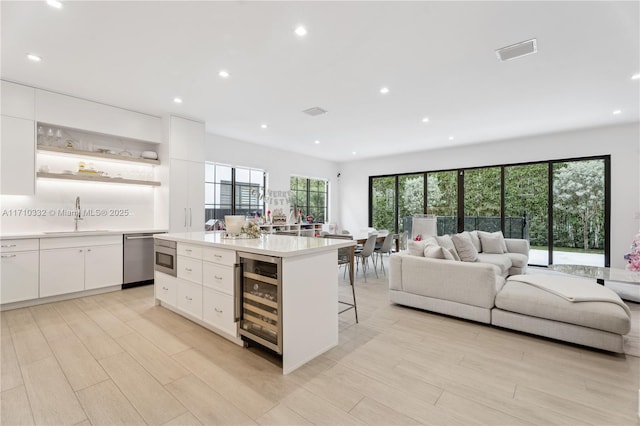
395,271
515,245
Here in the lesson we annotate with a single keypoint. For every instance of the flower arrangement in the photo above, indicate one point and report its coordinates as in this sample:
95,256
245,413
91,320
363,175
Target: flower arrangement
418,237
633,257
251,229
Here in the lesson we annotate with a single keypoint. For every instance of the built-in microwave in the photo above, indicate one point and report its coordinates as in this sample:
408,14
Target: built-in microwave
165,256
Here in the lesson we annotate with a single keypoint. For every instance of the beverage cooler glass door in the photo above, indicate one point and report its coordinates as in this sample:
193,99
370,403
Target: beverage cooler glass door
261,307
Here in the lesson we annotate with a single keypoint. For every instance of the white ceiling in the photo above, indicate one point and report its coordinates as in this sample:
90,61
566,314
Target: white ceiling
437,58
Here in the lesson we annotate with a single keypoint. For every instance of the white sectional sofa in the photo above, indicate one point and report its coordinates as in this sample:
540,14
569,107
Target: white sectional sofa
493,290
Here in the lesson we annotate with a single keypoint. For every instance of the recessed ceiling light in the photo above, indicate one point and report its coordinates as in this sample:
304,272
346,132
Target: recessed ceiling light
34,58
301,31
635,77
223,74
263,126
54,3
451,138
616,112
425,120
353,153
316,142
177,100
384,90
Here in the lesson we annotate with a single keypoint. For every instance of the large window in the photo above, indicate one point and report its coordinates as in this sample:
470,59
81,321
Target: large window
311,196
233,190
560,206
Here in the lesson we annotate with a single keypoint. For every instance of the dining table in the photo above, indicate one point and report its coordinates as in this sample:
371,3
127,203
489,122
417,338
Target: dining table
361,237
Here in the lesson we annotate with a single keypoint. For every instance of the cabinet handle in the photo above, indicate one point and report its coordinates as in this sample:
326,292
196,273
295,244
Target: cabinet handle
188,298
164,288
188,269
185,217
237,283
217,277
8,255
190,218
189,250
217,310
218,256
88,249
8,245
80,251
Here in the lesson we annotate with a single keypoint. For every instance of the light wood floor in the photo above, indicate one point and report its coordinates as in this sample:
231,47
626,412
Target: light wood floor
118,359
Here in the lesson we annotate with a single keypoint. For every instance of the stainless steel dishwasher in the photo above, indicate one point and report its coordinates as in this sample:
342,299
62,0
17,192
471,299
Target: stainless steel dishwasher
138,262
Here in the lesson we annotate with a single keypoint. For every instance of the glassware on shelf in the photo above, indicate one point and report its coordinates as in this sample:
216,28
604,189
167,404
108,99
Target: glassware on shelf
41,136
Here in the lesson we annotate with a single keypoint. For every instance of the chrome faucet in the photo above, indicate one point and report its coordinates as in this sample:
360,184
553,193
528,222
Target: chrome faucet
78,215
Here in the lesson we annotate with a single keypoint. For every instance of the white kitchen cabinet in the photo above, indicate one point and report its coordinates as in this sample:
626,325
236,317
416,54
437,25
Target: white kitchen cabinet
186,212
68,111
61,271
18,101
166,288
190,298
19,273
17,156
218,311
71,264
102,266
187,139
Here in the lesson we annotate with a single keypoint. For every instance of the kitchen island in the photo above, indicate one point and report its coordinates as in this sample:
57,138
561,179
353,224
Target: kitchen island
212,289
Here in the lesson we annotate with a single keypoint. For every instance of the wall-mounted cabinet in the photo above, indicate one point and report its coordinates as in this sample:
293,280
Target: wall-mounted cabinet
79,113
187,139
17,156
18,100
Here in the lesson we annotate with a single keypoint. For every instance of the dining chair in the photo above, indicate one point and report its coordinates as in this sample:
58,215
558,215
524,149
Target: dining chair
344,258
385,248
366,253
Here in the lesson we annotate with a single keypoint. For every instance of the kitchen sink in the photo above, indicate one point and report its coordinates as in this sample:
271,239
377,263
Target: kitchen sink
88,231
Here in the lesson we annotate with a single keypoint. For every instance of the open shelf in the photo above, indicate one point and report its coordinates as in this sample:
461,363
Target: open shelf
94,154
90,178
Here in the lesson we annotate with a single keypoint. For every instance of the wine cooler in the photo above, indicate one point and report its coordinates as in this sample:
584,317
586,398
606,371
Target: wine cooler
259,300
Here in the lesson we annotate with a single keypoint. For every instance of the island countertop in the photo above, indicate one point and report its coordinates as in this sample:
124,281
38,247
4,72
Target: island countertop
266,244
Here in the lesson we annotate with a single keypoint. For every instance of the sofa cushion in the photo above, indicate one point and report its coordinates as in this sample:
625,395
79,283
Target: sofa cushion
489,237
475,239
518,260
492,243
437,252
525,299
416,248
465,248
503,262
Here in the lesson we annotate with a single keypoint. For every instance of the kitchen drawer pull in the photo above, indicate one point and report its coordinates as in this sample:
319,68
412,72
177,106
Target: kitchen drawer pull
144,237
217,277
218,256
8,255
217,310
188,269
189,250
8,245
164,288
188,298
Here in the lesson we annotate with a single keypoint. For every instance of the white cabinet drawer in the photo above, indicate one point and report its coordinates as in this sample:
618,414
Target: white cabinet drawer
221,256
8,246
19,276
190,298
190,251
190,269
217,310
218,277
166,288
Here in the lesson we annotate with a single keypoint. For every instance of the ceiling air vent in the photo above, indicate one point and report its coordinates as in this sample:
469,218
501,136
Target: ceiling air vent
517,50
315,111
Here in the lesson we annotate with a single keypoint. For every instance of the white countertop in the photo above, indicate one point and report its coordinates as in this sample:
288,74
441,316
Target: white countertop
269,244
80,233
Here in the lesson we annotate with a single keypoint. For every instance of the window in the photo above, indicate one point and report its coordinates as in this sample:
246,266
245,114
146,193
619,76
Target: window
233,190
311,196
560,206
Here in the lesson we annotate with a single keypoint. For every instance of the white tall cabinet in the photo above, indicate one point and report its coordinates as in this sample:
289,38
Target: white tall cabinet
17,142
186,178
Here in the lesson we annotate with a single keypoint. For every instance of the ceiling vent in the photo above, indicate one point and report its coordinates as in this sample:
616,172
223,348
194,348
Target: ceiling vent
517,50
314,111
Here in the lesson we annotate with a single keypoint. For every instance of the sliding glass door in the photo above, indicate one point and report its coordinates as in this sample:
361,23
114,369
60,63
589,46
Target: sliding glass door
482,199
383,203
442,200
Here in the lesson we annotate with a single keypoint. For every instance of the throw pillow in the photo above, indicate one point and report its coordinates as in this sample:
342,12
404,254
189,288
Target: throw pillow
498,235
465,248
446,242
437,252
475,239
492,243
416,248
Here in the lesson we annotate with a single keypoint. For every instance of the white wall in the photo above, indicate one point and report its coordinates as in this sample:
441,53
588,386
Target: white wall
621,142
280,165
